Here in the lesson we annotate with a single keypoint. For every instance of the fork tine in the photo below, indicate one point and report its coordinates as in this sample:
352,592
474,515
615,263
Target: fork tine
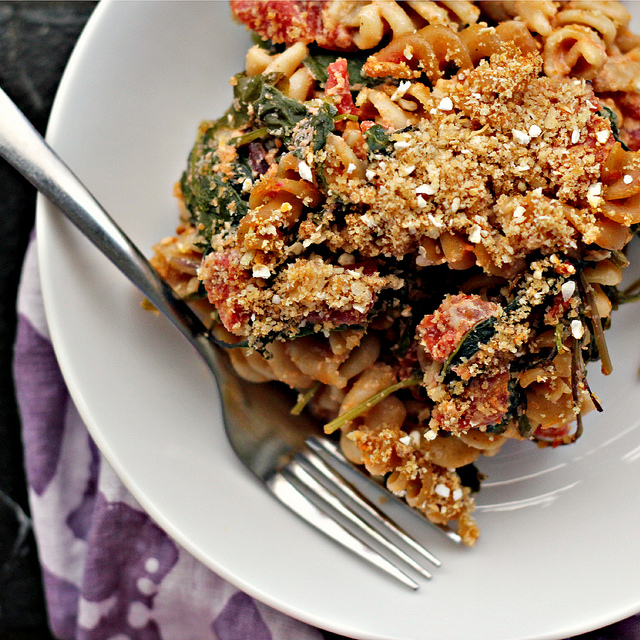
371,490
378,518
283,488
299,468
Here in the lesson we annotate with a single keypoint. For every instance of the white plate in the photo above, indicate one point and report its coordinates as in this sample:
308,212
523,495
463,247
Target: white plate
559,552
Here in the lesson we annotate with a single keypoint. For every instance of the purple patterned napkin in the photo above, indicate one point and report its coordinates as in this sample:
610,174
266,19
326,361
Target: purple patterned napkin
110,573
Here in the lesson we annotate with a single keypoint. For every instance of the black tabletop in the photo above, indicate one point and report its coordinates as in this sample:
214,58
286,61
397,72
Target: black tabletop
36,39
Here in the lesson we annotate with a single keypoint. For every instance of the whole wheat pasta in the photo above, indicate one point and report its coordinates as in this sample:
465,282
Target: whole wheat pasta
537,15
415,216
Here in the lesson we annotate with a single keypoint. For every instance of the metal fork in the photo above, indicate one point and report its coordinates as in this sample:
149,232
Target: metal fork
305,472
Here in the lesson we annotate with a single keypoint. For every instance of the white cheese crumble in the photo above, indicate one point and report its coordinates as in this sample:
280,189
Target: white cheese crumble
368,220
436,222
401,90
602,136
405,439
627,179
575,136
593,194
401,144
305,171
518,212
442,490
446,104
520,136
369,175
567,289
534,131
474,235
261,271
276,299
351,167
577,329
457,494
427,189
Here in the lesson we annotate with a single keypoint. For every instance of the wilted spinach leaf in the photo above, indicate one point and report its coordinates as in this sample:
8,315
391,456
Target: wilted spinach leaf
318,63
378,139
471,342
611,115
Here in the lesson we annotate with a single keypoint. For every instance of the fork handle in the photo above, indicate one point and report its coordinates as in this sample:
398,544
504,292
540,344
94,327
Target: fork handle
24,148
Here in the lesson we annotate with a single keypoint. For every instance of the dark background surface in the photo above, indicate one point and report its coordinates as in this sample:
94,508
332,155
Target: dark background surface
36,39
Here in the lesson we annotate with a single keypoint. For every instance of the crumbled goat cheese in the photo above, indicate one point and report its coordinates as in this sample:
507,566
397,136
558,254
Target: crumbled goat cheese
534,131
442,490
427,189
577,329
261,271
401,90
475,235
518,212
602,136
575,136
520,136
593,194
446,104
305,171
567,289
627,179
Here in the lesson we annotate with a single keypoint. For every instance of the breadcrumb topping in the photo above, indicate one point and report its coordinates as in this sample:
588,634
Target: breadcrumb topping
496,159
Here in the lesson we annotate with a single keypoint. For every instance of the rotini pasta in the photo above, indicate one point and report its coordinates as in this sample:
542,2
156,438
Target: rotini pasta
422,236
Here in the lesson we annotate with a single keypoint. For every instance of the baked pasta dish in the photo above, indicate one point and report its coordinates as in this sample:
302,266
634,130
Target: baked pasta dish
414,214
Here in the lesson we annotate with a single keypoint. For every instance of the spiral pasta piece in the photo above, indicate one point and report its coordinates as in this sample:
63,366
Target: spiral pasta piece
621,194
537,15
574,50
434,47
276,203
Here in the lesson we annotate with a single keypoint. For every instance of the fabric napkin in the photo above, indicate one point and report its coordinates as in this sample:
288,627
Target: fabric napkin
110,573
